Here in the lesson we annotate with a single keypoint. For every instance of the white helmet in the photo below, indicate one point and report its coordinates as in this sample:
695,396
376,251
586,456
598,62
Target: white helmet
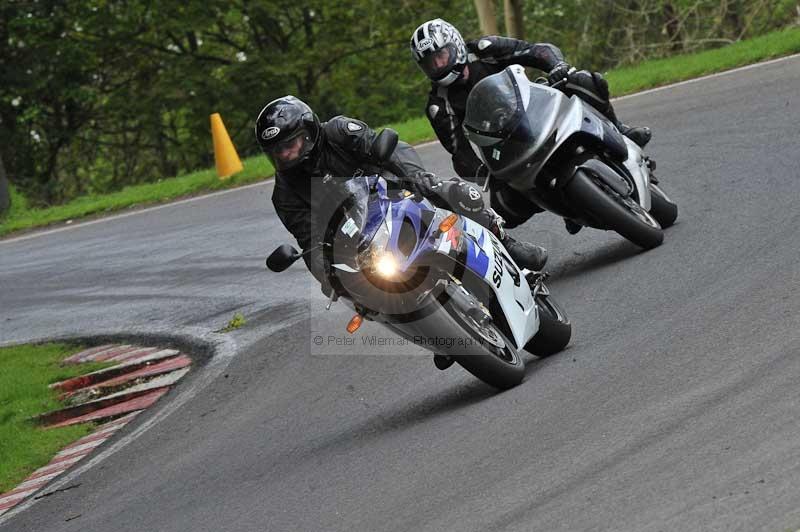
439,50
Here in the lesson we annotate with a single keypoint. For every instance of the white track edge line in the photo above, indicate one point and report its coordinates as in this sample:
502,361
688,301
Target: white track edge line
708,76
145,210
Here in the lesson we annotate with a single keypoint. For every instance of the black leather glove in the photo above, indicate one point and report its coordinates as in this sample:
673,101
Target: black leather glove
424,184
560,72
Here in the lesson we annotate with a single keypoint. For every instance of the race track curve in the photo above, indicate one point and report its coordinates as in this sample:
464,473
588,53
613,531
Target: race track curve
674,408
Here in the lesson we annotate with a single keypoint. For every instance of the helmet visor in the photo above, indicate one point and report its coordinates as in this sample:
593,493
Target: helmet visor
291,151
438,64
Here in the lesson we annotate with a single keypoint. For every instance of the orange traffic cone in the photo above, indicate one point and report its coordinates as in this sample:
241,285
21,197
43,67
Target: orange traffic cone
228,162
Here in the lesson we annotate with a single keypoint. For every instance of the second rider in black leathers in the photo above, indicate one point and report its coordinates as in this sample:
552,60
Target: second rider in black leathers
305,152
455,67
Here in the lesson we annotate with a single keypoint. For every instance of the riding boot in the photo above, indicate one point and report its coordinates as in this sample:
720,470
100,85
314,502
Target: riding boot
573,227
525,254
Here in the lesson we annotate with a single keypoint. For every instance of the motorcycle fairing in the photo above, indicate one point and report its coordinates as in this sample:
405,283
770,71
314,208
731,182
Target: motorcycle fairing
467,243
527,132
377,206
455,244
485,256
413,212
636,163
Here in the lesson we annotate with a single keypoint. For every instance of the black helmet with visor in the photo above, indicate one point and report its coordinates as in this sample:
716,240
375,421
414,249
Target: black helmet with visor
287,131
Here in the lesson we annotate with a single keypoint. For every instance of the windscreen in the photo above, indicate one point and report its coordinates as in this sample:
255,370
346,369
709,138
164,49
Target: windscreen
494,109
511,137
366,206
357,204
343,211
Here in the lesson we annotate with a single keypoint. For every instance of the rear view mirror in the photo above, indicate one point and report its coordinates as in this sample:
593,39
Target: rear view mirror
384,144
283,257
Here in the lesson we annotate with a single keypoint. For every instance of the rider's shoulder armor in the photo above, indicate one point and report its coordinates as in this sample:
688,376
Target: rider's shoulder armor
343,127
344,131
488,48
483,46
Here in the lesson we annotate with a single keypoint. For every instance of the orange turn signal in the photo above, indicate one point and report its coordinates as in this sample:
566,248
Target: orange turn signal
354,323
448,223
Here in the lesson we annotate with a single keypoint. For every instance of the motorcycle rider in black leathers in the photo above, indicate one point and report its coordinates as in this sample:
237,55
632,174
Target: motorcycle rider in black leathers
455,67
307,155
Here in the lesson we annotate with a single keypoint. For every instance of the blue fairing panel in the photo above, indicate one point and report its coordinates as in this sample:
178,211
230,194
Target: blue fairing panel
477,261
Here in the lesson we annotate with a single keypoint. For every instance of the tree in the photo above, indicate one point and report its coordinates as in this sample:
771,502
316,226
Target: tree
515,24
486,16
5,193
99,94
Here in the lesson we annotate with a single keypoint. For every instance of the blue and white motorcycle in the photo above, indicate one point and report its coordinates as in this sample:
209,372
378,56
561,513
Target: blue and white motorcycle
427,273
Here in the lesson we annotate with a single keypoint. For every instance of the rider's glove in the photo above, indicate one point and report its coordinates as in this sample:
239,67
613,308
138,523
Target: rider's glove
561,71
424,184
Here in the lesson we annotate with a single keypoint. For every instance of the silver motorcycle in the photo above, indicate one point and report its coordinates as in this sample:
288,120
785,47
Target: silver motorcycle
566,157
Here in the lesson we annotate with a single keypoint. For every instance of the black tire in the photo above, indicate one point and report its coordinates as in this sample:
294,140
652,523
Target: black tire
555,330
663,209
502,367
622,215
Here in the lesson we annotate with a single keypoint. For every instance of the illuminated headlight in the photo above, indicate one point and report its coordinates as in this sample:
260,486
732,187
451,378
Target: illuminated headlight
386,265
369,258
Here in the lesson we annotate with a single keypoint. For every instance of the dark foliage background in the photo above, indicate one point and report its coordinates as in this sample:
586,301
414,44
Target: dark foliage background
95,95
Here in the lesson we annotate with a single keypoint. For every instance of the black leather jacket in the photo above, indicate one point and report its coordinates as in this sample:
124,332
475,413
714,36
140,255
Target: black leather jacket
344,150
447,105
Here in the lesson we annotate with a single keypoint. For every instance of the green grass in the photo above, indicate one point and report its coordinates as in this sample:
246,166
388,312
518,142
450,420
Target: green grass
255,169
414,131
623,80
237,322
658,72
25,372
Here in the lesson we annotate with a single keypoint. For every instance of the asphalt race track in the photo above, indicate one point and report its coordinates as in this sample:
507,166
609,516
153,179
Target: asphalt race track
674,408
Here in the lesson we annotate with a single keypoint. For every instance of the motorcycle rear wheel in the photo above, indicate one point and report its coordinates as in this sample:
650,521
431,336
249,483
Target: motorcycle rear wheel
663,209
555,330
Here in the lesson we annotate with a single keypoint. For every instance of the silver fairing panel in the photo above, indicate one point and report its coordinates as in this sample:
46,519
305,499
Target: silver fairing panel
637,166
556,117
559,117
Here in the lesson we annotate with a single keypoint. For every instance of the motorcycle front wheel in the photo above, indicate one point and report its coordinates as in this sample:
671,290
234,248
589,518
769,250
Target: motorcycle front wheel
663,209
621,214
489,355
